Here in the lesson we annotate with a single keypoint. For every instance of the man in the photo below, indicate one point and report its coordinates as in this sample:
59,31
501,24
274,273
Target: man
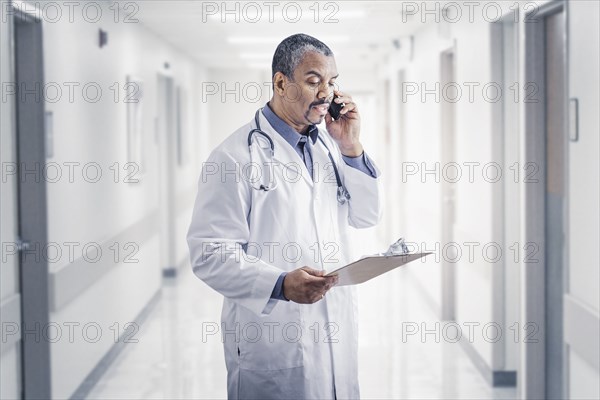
288,332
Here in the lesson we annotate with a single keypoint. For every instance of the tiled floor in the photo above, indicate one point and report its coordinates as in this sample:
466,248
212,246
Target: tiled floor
172,359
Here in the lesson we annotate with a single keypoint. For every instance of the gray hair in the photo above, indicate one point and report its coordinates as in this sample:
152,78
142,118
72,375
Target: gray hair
291,50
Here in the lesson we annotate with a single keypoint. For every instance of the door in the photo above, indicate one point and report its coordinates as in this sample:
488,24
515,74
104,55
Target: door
10,297
25,358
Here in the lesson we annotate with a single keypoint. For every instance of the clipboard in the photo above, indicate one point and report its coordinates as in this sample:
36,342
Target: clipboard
370,267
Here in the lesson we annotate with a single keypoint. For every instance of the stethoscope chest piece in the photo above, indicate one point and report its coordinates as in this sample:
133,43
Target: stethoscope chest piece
342,195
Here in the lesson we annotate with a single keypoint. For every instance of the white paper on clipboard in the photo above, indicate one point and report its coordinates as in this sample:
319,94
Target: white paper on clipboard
369,267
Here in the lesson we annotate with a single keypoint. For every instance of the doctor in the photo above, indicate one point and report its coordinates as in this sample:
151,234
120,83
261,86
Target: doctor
268,222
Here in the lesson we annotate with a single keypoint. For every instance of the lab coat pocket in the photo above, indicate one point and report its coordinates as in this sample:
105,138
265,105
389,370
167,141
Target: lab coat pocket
271,342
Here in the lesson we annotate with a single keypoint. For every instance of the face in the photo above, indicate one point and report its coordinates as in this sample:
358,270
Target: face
306,97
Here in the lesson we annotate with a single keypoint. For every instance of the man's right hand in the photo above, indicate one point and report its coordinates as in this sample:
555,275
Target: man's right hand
307,285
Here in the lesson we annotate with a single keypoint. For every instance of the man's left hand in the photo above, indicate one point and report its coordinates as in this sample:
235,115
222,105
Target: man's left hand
346,129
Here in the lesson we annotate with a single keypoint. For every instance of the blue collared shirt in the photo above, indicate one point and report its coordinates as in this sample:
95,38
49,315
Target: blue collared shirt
296,140
298,143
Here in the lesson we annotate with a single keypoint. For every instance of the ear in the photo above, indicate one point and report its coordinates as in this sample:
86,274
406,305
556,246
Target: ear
279,83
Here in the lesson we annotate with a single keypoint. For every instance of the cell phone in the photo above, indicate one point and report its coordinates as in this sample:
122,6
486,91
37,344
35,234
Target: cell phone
335,108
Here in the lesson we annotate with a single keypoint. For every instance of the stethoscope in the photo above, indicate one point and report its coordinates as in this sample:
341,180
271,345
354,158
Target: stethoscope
342,193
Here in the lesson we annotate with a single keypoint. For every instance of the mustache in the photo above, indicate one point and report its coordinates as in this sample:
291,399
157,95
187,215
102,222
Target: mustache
320,102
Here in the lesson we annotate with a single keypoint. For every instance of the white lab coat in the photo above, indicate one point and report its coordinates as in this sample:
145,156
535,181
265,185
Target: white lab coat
277,349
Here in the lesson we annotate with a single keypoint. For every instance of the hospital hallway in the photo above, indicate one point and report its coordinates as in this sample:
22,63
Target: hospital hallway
180,356
129,161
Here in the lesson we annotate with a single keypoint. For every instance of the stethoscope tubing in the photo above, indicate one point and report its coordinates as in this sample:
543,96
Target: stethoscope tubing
342,194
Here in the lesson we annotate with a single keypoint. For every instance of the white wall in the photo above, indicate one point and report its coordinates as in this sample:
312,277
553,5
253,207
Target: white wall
361,84
84,212
474,212
95,212
232,97
186,176
584,157
584,181
422,141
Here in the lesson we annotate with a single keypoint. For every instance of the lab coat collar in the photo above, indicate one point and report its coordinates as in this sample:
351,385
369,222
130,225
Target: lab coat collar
287,156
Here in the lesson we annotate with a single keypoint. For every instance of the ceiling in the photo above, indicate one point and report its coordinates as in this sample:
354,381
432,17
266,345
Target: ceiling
358,32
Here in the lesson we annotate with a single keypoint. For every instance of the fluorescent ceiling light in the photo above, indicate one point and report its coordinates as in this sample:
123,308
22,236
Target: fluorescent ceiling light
275,40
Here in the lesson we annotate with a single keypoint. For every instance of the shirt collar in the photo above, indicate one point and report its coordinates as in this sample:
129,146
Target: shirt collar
286,131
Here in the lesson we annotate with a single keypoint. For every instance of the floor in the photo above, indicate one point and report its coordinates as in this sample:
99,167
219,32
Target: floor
172,359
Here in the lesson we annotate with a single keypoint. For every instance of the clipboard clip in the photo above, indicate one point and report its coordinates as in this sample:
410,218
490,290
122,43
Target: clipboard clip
397,248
